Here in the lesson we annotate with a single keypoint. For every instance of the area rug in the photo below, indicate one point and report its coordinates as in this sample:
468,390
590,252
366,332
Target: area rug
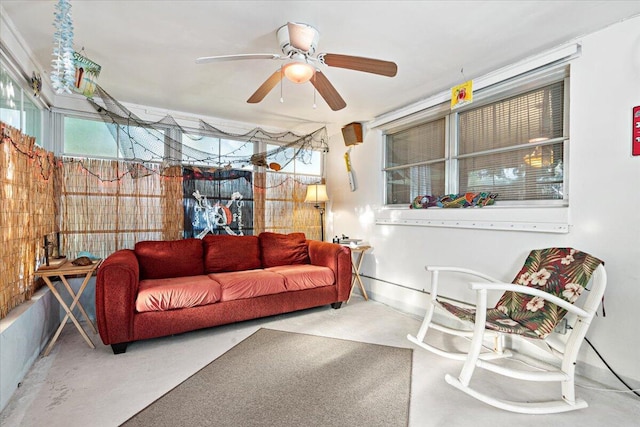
276,378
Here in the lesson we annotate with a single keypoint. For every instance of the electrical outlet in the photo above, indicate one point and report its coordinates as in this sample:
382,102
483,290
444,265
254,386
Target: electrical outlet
561,327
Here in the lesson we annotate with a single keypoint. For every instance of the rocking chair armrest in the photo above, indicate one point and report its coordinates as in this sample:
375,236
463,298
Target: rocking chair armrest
433,268
530,291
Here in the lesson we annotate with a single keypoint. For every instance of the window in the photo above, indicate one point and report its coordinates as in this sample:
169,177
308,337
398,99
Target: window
510,141
295,160
285,190
98,139
514,147
89,137
415,162
17,108
214,151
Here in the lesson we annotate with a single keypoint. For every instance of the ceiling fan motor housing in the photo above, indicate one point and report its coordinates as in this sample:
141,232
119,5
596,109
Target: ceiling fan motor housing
284,41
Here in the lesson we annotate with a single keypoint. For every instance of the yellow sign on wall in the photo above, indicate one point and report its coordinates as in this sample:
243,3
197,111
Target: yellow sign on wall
462,94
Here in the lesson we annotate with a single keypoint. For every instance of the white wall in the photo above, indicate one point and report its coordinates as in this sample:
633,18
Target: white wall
23,335
603,214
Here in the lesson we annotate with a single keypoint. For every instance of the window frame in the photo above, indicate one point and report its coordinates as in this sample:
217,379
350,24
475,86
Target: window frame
25,95
514,86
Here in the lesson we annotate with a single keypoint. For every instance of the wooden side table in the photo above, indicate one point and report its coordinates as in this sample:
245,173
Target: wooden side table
357,254
63,271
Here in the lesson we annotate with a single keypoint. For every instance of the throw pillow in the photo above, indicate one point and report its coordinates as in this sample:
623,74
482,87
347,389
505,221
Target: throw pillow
283,249
170,258
230,253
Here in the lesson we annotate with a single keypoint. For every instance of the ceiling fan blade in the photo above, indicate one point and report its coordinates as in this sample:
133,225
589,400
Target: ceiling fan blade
223,58
358,63
301,36
266,87
327,91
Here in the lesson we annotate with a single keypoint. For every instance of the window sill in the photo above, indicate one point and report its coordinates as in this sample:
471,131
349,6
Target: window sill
547,219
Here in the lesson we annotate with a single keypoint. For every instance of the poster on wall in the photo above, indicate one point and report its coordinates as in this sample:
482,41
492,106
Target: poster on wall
87,73
217,202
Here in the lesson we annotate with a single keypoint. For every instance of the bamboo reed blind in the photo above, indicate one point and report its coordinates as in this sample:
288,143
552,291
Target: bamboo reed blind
284,207
107,205
27,213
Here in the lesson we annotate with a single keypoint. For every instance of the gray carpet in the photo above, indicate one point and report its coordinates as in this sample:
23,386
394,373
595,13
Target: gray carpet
276,378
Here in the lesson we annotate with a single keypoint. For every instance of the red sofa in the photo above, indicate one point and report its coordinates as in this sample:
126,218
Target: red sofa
162,288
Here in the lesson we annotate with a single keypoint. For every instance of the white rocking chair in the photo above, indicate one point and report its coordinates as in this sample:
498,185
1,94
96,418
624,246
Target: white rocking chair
531,307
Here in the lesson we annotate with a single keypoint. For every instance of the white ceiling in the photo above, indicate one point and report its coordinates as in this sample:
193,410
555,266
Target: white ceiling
147,49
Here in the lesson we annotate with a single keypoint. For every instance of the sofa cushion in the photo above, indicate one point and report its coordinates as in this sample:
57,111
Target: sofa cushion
164,259
297,277
248,284
230,253
177,292
283,249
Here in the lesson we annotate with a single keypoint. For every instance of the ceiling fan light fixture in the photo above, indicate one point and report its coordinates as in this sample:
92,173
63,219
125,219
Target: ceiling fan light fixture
299,72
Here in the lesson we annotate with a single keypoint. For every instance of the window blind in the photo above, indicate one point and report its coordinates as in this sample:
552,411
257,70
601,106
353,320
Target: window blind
514,147
415,162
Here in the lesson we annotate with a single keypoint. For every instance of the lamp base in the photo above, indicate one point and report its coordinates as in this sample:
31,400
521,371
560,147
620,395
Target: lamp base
321,224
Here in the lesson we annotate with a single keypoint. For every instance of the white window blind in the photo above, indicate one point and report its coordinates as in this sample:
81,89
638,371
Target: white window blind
514,147
415,162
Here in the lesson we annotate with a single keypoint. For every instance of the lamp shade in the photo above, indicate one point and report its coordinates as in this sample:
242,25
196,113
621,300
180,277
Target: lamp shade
299,72
316,193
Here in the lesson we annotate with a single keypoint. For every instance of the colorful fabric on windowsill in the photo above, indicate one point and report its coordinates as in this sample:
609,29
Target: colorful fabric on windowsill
462,200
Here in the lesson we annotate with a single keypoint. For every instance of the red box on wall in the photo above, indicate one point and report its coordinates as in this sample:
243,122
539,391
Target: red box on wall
635,132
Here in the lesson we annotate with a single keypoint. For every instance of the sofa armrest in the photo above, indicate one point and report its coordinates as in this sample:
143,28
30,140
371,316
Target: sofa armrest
116,292
337,258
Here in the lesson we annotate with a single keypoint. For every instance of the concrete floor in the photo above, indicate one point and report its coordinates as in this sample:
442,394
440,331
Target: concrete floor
78,386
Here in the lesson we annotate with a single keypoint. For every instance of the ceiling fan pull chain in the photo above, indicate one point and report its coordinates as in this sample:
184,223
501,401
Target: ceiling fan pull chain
281,97
314,92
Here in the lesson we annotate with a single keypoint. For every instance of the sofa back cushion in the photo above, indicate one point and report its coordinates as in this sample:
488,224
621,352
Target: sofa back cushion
283,249
224,253
165,259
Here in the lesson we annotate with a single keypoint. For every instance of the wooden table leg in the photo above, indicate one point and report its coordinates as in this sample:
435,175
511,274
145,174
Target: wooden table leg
356,276
69,314
77,298
359,279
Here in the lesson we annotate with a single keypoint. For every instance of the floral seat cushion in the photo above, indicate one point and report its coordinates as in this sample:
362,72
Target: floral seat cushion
496,320
563,272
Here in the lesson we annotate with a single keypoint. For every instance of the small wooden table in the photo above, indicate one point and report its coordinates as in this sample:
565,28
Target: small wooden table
357,253
63,271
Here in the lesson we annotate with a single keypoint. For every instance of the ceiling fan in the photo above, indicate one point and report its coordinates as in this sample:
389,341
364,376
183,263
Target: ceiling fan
298,42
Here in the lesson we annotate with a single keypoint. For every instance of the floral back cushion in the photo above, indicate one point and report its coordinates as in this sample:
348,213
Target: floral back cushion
563,272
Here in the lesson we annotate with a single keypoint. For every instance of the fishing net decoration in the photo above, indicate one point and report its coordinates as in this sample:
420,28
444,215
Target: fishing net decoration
147,141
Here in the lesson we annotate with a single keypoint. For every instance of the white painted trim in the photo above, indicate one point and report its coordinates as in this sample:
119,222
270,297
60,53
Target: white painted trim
562,53
537,227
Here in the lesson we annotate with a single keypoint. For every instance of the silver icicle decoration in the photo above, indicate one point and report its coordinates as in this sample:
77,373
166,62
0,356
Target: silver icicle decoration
63,70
